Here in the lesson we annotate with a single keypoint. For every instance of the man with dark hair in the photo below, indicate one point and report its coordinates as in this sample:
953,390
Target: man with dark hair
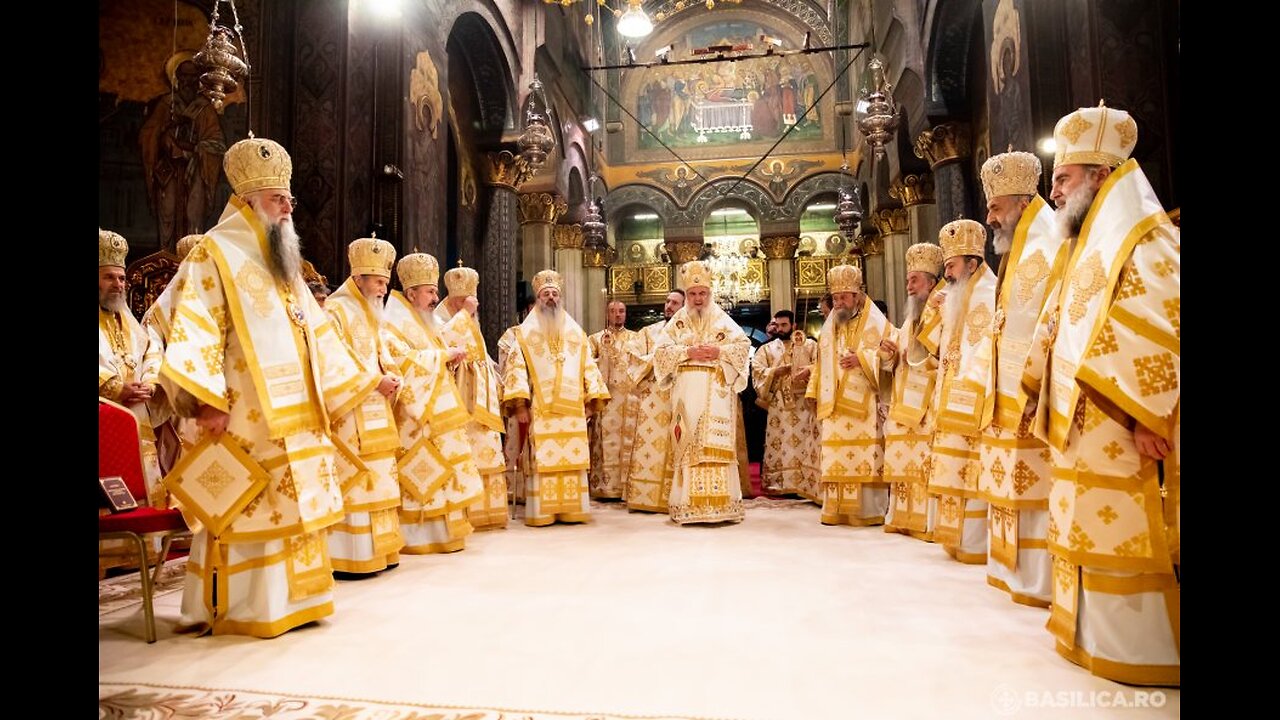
649,478
780,370
613,430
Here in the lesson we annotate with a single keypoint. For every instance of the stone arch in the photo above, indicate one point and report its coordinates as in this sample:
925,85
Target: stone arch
651,197
952,29
799,197
746,191
575,179
490,63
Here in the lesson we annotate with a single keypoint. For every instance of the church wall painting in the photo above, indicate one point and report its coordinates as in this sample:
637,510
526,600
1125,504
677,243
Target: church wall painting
726,103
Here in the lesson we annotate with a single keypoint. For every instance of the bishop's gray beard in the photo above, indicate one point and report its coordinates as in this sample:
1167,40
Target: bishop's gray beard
1002,240
285,252
1071,215
551,320
114,303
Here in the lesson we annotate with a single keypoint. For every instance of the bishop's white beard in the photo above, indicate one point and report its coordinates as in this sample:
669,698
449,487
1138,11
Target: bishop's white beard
377,308
285,252
912,311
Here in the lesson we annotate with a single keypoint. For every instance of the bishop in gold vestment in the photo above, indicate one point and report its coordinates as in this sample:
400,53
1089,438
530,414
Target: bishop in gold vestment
1015,477
257,363
477,380
702,356
128,361
845,384
911,370
368,540
439,482
550,383
964,392
1108,407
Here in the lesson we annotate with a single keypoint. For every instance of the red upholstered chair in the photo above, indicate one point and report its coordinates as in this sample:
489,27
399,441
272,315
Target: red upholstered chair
120,454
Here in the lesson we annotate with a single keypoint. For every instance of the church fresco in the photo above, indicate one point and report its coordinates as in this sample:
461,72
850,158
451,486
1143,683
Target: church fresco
755,99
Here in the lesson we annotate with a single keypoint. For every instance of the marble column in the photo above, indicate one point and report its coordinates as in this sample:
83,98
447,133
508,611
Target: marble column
566,243
595,268
780,251
538,212
874,265
499,262
895,238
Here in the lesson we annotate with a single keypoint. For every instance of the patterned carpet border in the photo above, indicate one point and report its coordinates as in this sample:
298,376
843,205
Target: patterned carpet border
145,701
126,590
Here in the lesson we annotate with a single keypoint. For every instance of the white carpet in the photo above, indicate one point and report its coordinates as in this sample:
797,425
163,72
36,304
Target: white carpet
779,618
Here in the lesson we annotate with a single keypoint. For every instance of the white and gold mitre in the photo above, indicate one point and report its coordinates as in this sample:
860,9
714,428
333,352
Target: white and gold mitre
257,164
695,273
1095,136
462,281
186,244
962,237
925,258
371,256
417,269
1010,173
112,248
547,278
843,279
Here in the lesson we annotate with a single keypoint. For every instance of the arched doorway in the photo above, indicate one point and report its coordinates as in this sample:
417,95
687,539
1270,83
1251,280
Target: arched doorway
482,223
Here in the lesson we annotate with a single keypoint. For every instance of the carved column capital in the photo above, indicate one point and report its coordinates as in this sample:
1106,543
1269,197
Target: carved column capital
872,242
541,207
892,221
506,170
682,251
566,237
598,257
946,143
779,247
913,189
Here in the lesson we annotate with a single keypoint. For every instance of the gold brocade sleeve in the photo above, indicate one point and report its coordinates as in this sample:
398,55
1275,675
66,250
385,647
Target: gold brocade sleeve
1135,359
197,343
110,388
515,377
667,357
594,390
815,382
762,370
344,380
735,353
640,351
